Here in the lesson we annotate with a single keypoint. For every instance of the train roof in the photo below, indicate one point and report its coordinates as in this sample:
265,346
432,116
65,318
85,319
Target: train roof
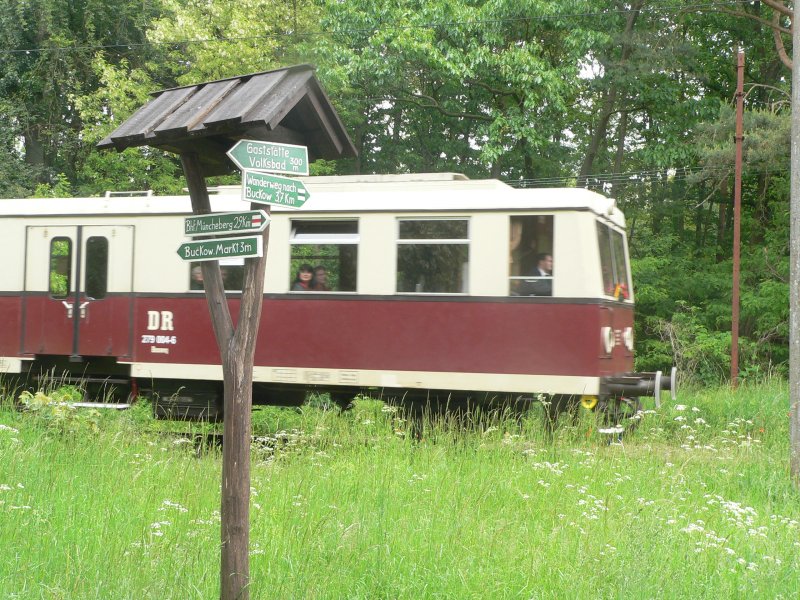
423,192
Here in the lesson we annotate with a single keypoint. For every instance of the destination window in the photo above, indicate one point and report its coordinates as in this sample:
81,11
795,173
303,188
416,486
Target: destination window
324,255
433,256
613,262
530,259
60,280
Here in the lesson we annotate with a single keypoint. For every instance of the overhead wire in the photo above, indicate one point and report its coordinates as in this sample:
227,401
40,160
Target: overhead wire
616,180
665,9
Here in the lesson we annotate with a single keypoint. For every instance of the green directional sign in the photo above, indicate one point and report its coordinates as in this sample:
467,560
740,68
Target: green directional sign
253,221
270,157
271,189
239,247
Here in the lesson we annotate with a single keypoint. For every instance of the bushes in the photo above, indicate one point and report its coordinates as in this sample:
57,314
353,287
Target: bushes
56,412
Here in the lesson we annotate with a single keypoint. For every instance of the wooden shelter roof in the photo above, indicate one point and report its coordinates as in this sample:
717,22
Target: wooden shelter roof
284,105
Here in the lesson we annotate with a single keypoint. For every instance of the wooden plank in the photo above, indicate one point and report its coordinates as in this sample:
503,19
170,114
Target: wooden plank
320,113
280,101
247,96
148,117
195,109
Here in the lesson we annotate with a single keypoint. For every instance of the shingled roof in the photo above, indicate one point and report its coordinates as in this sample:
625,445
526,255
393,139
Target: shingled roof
285,105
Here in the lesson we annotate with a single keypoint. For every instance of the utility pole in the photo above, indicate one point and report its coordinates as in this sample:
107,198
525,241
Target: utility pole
737,220
794,267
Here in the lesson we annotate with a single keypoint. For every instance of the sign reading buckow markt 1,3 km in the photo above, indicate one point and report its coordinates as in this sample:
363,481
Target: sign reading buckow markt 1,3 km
270,156
241,247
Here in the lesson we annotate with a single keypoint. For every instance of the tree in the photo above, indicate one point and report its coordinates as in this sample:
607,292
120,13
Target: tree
455,85
47,62
216,39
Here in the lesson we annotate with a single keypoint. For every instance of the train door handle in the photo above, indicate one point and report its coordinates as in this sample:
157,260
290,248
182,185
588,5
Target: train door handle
68,306
83,308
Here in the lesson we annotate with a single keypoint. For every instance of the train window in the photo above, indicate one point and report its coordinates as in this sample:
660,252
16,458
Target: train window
531,265
432,256
232,274
96,267
324,255
60,267
612,262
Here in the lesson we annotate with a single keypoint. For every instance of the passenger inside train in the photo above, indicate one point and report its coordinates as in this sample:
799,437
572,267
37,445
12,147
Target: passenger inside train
530,255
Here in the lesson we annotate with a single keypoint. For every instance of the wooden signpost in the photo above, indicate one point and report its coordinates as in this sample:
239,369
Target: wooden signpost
198,122
237,343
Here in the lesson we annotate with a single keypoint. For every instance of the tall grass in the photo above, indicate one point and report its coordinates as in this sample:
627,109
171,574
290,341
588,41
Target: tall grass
696,503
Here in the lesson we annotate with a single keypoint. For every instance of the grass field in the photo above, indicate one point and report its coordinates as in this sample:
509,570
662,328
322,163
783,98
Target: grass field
696,503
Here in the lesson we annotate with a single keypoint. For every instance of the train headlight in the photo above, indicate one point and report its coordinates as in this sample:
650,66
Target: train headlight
627,337
607,337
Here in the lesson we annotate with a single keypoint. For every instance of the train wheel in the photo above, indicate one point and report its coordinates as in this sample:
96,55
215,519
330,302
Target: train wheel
620,415
344,400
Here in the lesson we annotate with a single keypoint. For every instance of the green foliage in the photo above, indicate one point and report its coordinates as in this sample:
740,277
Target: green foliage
55,411
698,351
237,37
422,95
51,44
61,188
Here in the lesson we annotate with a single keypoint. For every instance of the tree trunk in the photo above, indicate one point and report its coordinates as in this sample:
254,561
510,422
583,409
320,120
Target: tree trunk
34,150
600,133
794,267
622,131
723,220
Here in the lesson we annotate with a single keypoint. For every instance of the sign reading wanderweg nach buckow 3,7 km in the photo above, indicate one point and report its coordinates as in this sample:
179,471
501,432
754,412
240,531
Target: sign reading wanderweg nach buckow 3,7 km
263,188
270,156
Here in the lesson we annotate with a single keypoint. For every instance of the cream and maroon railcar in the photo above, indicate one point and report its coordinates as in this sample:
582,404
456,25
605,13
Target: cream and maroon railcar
431,286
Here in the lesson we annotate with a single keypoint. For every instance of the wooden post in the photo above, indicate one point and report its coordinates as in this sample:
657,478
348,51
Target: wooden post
794,265
237,350
737,219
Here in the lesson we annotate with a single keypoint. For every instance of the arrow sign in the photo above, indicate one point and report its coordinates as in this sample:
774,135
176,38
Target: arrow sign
271,189
253,221
241,247
269,156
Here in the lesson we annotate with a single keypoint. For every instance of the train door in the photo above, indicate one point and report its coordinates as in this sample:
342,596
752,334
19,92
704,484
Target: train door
78,283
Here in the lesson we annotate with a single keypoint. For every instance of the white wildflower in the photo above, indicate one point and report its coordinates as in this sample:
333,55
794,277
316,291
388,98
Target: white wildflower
611,430
167,504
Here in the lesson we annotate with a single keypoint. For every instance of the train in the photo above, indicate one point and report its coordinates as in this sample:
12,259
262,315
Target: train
431,287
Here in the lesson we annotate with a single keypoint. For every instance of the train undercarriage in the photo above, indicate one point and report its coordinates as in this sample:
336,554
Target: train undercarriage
106,383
